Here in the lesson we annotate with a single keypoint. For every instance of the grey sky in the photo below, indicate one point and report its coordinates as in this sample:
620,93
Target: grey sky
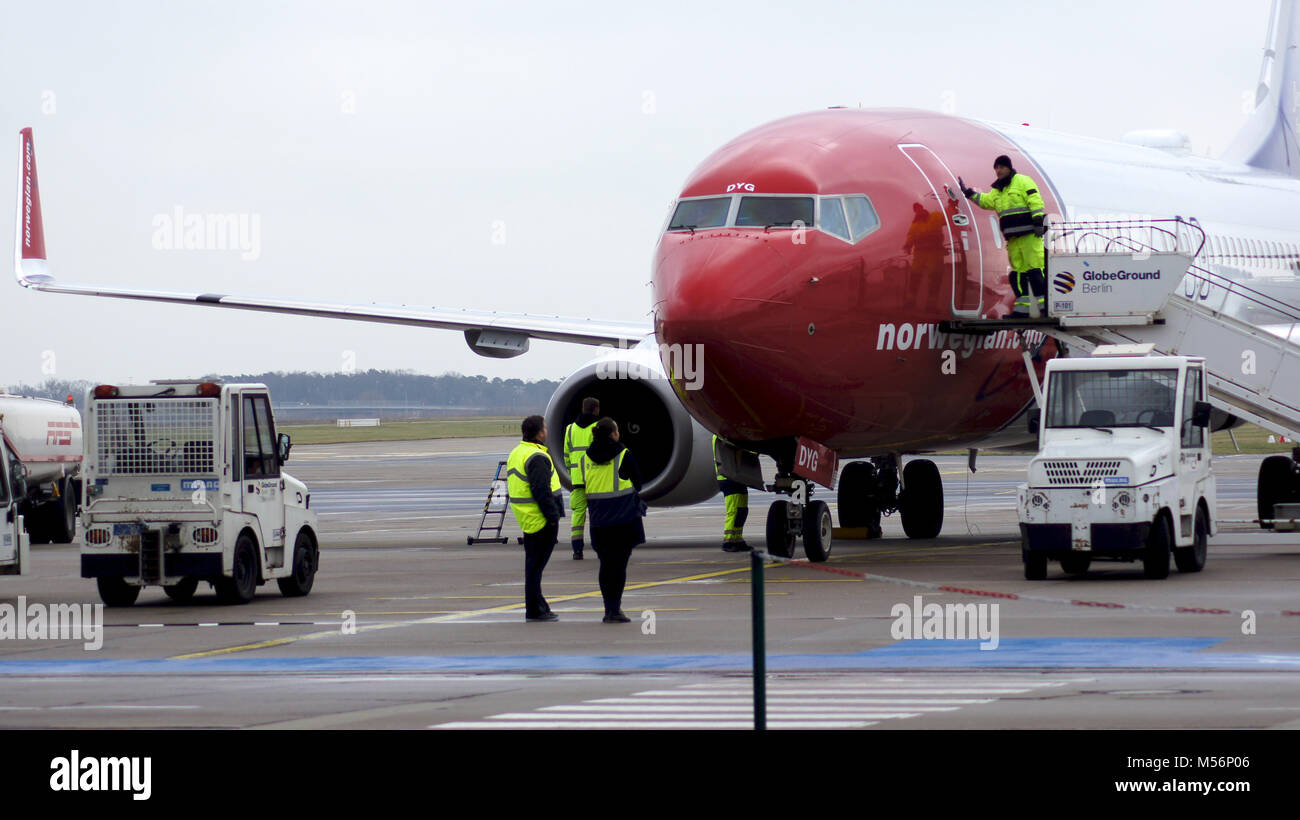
571,124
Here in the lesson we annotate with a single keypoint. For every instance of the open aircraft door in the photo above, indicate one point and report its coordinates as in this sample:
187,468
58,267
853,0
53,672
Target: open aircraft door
963,255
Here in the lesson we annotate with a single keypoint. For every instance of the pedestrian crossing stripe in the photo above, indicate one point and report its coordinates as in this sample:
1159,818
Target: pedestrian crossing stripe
791,704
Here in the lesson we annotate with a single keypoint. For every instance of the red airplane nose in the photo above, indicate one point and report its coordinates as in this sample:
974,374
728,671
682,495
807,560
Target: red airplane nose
728,297
724,291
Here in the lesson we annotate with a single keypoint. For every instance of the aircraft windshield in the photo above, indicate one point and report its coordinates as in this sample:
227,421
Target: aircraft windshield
693,214
1112,398
774,211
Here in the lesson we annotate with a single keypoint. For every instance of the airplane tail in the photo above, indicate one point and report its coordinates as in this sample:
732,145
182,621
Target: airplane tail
1268,139
29,230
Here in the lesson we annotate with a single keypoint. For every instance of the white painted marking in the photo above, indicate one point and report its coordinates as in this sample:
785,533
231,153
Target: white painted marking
653,724
912,704
718,711
812,693
831,687
94,707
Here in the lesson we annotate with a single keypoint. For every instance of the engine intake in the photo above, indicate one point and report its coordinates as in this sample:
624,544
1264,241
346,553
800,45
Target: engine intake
673,452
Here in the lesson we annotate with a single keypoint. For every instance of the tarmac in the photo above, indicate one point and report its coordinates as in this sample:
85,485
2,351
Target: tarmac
408,627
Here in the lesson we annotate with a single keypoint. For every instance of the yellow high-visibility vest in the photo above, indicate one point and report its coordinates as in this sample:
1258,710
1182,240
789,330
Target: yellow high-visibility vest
525,507
610,499
1018,204
576,441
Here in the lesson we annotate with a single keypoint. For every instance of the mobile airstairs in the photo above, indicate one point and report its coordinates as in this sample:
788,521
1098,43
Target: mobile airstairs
1137,283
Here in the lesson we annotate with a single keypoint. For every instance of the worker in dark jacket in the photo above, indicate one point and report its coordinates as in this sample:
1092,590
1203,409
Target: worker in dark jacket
613,482
536,500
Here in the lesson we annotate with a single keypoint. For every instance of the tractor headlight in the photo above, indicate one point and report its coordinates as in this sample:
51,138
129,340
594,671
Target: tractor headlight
1121,500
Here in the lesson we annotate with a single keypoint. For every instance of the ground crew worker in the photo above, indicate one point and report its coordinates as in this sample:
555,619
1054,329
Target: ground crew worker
1020,211
736,497
533,487
610,474
577,438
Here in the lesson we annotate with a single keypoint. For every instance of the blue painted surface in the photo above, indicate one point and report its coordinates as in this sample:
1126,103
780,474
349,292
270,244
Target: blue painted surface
1024,653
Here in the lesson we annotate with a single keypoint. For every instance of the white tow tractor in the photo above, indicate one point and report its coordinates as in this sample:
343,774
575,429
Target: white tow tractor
1123,465
183,483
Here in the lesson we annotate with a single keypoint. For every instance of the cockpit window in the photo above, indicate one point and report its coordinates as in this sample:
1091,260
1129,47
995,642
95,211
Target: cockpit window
848,217
774,211
862,217
693,214
833,218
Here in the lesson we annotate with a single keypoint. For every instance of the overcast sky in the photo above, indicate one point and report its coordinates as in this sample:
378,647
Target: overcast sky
501,156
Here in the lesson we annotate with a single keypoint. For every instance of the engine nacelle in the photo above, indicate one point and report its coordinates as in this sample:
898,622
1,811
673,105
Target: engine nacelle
673,452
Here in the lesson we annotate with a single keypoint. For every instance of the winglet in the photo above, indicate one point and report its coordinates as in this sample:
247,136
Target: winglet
1267,140
30,264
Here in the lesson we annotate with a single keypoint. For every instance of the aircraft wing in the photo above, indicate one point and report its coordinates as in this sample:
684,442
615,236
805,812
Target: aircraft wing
489,333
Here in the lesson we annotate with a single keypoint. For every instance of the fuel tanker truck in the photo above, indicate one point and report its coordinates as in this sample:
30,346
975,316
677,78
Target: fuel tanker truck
40,470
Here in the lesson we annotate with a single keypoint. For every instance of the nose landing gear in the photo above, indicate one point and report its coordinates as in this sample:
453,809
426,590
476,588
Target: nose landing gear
798,518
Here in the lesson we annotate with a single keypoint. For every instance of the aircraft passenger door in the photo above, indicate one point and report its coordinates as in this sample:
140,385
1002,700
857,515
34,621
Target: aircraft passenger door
964,255
261,468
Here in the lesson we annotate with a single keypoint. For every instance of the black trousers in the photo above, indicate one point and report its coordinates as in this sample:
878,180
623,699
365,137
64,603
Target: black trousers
1035,284
613,574
537,551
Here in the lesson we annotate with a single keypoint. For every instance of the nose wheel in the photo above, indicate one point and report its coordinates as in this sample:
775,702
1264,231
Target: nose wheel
798,518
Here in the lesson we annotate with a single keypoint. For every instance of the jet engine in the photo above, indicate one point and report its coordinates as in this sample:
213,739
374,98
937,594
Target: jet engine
673,452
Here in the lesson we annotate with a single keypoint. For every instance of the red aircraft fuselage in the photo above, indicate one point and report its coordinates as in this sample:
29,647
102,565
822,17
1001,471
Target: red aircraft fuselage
804,333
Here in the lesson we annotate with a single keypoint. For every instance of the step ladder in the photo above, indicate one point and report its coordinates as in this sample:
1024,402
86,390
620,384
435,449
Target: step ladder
496,506
1136,282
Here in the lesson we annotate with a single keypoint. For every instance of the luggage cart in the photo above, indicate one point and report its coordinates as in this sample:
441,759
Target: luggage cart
496,505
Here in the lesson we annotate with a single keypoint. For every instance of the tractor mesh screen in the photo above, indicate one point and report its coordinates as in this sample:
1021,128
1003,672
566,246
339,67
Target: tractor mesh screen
155,436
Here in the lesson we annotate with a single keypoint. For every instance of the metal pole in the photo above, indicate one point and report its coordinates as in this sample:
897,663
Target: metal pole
760,642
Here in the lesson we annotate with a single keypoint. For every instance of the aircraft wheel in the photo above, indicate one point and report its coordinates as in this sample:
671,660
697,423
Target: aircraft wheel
780,541
1192,557
920,504
817,531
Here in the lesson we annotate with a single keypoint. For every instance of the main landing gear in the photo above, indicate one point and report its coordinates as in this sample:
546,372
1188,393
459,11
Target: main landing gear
867,490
